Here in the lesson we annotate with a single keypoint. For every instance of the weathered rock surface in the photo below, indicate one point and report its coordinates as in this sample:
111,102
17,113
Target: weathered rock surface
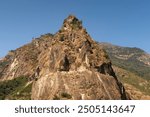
67,65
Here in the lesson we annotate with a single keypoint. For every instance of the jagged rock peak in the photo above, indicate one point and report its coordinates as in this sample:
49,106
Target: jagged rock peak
66,65
71,18
71,23
73,31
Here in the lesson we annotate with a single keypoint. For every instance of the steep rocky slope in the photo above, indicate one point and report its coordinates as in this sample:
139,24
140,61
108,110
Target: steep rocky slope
131,66
67,65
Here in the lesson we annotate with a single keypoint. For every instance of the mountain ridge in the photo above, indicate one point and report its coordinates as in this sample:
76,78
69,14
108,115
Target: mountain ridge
129,57
134,75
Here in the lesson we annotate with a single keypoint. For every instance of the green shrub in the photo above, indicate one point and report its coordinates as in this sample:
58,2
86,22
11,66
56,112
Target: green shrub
10,89
66,95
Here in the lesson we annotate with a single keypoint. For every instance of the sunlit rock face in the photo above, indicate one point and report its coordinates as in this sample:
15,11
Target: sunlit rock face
76,68
66,65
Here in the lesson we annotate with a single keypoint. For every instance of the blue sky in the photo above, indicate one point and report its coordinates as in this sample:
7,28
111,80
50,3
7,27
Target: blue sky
120,22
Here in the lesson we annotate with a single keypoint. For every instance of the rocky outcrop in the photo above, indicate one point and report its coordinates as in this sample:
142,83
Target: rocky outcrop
76,85
77,68
67,65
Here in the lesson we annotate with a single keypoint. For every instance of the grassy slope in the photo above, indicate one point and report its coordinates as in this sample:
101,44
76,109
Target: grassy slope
18,88
134,74
131,64
135,85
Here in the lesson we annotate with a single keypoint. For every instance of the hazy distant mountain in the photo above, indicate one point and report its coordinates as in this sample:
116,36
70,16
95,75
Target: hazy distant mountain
133,59
132,66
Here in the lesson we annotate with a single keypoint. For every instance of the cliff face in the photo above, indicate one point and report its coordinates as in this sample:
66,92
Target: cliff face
67,65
